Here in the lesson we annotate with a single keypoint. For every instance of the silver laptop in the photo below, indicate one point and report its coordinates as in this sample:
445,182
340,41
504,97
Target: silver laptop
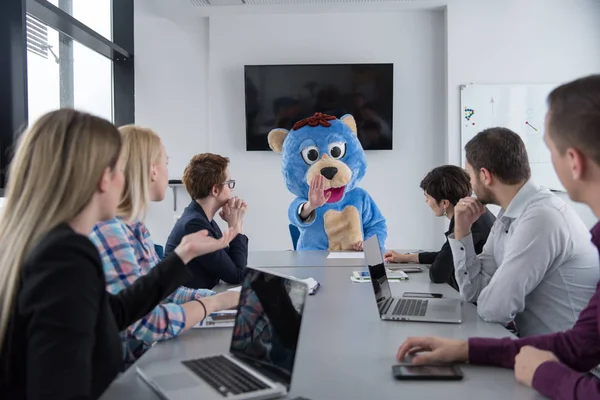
261,356
404,308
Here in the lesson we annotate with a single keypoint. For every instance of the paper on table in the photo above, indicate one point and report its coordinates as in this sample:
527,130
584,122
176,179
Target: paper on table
360,276
219,319
312,283
235,289
346,254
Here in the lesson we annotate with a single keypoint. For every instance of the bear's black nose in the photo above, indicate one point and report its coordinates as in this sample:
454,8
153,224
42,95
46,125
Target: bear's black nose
329,172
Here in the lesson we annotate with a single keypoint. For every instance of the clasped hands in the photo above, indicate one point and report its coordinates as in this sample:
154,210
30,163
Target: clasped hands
233,213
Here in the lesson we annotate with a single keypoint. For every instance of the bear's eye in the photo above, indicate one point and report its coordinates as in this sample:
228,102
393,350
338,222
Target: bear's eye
337,150
310,154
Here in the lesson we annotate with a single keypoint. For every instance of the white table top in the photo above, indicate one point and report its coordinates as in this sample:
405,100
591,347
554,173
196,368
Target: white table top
308,258
345,350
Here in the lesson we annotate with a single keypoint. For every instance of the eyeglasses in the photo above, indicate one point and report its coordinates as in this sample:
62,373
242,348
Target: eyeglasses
230,183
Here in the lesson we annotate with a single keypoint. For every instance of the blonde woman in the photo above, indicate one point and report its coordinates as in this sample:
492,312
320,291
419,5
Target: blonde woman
128,252
59,328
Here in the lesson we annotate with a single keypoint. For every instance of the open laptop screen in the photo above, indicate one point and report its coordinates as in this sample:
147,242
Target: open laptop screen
267,324
374,259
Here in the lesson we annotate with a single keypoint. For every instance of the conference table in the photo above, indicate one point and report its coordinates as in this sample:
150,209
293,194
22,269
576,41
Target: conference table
345,351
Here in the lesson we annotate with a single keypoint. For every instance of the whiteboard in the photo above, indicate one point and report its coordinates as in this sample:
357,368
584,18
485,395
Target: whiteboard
520,108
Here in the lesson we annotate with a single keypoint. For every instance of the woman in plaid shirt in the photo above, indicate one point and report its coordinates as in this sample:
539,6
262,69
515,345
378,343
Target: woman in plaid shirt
128,252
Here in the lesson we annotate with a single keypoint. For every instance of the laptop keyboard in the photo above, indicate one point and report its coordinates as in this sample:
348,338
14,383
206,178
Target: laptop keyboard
223,375
385,306
410,307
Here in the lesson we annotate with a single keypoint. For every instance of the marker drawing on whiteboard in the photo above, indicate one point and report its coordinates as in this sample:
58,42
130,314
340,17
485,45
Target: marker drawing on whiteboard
492,102
531,126
469,113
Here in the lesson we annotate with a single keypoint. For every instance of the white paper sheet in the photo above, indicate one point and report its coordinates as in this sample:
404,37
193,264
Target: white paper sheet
235,289
221,319
346,254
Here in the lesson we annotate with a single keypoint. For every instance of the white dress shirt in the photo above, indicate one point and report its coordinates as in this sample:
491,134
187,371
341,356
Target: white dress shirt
538,266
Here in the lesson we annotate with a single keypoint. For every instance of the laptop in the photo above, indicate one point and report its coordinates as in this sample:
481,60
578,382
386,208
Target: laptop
404,308
260,361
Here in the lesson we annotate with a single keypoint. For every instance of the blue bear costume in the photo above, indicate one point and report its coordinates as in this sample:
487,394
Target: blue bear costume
323,144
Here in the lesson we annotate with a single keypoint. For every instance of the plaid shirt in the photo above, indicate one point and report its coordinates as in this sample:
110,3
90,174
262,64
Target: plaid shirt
128,253
252,332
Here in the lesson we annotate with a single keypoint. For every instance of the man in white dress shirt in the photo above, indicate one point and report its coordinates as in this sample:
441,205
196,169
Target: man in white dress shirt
538,267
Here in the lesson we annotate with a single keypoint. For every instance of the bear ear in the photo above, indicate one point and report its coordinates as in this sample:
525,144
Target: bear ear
350,122
276,138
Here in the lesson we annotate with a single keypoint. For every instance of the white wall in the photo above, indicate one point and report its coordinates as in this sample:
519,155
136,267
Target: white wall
519,41
257,39
192,93
171,89
419,87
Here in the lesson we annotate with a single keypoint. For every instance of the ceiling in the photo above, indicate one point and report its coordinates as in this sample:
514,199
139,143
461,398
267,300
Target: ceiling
208,3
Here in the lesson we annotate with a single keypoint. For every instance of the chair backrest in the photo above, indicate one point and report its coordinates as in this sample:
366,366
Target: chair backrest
295,234
159,251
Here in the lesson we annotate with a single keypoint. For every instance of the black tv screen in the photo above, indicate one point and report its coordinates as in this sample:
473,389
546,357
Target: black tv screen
277,96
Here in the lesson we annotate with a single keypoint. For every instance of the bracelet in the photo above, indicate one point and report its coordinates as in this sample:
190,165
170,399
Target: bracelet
204,307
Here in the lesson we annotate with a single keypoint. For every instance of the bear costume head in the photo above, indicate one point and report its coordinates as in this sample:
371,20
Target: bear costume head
321,144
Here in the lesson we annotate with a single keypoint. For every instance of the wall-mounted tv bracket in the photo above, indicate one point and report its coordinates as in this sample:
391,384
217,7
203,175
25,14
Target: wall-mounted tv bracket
173,184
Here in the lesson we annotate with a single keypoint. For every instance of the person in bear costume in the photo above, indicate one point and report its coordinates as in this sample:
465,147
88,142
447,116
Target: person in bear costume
322,162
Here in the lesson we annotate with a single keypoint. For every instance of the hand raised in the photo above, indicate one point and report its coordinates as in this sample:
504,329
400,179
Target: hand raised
200,243
466,212
316,192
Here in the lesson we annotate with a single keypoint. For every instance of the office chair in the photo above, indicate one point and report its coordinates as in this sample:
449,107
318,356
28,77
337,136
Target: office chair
295,234
159,251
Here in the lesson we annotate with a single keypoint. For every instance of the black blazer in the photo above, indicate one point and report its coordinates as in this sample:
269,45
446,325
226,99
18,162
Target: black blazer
442,262
228,264
63,337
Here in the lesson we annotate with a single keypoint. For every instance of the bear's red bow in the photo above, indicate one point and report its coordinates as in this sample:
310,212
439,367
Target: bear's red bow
315,120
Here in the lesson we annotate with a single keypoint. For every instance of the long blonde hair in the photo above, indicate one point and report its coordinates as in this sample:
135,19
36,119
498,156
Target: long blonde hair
52,178
141,147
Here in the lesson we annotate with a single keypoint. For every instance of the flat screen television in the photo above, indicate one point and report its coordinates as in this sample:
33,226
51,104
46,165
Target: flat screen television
279,95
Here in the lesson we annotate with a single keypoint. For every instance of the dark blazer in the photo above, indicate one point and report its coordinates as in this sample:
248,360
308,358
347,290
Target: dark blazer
63,337
228,264
442,262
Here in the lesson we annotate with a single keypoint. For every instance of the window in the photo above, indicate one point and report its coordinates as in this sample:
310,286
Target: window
63,53
96,14
64,73
43,83
92,82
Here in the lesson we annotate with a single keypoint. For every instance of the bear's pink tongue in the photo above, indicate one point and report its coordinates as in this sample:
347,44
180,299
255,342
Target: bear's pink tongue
336,194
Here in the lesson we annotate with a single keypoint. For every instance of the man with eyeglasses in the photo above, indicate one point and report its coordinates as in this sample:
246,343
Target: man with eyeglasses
208,182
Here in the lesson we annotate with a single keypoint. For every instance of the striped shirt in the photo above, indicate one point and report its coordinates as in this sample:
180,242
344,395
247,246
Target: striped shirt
128,253
537,267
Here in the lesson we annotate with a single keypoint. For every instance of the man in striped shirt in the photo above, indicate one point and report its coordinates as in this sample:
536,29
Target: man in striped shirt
538,266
